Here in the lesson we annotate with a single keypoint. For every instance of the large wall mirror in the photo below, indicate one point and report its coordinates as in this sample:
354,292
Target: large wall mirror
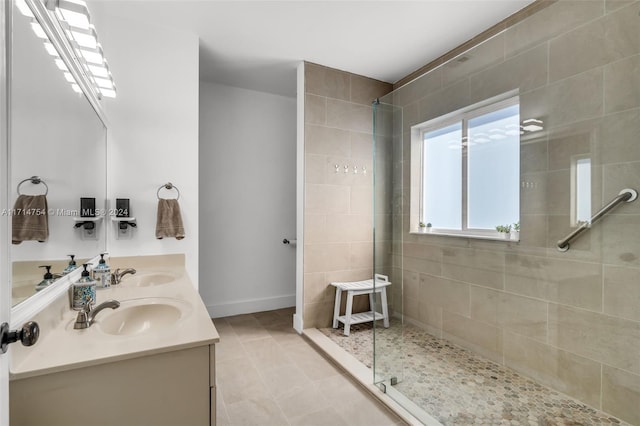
56,135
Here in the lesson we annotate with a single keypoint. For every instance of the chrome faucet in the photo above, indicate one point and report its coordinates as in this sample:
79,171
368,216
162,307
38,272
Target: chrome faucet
117,275
87,315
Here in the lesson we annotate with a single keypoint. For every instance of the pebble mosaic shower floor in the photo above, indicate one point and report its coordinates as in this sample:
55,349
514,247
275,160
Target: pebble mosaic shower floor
459,387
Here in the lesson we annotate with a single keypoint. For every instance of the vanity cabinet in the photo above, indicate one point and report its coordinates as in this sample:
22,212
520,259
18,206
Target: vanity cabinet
134,366
169,388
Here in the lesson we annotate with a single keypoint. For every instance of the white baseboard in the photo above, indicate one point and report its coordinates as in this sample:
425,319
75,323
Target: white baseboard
298,323
251,306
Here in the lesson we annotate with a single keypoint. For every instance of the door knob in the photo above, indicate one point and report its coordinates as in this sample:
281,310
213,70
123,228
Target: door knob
28,335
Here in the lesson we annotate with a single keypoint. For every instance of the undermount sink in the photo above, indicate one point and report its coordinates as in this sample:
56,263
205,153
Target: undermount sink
146,315
148,280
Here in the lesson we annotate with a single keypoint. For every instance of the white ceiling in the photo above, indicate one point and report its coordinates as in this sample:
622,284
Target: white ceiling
257,44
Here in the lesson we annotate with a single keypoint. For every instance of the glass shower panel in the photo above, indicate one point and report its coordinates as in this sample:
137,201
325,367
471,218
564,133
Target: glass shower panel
388,351
497,331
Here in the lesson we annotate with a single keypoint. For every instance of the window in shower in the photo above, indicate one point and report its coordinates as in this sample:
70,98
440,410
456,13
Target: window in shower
470,169
442,177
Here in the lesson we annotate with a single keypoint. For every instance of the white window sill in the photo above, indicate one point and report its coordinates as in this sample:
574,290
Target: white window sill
493,236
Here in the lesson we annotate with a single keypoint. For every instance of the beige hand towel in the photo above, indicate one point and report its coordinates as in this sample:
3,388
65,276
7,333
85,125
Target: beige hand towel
30,220
169,223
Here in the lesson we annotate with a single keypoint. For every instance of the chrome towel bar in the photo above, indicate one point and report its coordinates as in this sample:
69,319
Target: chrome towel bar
168,186
626,195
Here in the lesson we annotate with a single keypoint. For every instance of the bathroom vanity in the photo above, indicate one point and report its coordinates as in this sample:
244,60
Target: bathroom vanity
151,361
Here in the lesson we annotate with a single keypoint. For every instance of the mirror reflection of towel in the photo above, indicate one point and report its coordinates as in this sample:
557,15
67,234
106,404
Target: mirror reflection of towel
169,223
30,220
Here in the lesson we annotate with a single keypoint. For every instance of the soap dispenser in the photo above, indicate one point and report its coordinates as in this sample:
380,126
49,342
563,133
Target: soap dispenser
71,266
102,273
83,291
47,280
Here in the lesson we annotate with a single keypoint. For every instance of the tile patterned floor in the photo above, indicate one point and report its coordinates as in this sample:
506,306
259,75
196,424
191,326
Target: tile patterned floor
458,387
268,375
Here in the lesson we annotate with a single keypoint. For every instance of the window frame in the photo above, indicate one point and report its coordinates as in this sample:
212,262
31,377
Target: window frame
418,131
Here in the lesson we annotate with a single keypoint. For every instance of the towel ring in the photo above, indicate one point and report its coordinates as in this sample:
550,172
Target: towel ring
34,180
168,186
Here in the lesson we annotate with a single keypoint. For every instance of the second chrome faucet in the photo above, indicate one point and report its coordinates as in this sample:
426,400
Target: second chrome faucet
116,276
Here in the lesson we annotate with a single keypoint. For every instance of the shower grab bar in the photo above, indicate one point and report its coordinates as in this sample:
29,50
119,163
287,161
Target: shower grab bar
626,195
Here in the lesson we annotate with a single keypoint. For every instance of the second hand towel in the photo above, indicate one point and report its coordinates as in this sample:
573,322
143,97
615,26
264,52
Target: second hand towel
169,223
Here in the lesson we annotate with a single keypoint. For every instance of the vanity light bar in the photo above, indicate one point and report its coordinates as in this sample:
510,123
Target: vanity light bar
108,93
92,56
37,29
104,83
75,18
99,70
73,12
82,37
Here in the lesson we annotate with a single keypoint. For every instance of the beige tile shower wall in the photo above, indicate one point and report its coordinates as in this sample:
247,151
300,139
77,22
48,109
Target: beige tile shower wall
338,243
569,320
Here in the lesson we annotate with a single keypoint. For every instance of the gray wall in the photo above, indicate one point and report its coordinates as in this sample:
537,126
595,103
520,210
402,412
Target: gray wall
247,200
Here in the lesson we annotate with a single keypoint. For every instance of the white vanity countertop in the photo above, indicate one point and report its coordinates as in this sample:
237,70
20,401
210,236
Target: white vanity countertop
62,348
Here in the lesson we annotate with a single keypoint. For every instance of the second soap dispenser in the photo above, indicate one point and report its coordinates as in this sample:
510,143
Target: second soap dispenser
102,273
71,266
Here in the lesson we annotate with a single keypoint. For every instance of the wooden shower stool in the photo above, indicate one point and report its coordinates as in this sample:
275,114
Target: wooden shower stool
357,288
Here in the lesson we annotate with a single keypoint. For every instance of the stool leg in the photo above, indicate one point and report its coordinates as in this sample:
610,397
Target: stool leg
347,313
385,308
372,302
336,307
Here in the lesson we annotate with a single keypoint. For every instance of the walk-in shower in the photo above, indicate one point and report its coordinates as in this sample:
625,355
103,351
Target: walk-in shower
496,328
